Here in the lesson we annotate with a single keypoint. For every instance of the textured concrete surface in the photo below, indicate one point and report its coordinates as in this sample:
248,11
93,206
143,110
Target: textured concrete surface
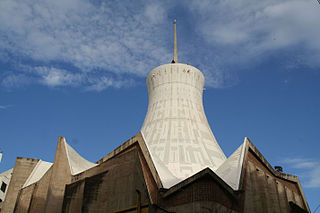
203,187
230,170
21,171
39,196
267,192
24,199
201,206
113,186
39,170
67,162
76,162
176,129
73,197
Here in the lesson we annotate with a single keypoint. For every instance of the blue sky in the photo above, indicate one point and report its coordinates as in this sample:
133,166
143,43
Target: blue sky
77,69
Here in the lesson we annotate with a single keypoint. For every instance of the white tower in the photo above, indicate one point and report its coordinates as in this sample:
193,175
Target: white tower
176,129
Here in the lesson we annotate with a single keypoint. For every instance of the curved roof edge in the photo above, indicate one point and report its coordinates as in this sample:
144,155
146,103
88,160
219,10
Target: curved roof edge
138,138
37,173
237,162
230,170
282,175
76,162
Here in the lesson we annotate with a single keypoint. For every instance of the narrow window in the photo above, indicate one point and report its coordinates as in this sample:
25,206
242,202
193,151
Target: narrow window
3,186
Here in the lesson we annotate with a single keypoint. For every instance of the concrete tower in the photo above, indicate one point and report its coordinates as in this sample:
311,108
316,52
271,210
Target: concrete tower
175,128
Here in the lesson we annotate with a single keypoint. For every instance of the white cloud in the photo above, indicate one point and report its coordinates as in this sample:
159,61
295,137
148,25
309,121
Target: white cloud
308,170
154,13
15,80
2,107
109,37
73,38
58,77
254,28
106,82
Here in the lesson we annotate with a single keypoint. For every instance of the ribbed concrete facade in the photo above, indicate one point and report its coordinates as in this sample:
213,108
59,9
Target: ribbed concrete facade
176,129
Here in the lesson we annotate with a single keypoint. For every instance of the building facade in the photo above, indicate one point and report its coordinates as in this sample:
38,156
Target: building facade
174,164
5,178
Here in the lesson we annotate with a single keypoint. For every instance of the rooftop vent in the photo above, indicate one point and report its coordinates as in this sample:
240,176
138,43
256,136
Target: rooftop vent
278,168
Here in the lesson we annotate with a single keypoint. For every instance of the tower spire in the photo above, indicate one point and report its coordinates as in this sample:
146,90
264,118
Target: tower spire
175,46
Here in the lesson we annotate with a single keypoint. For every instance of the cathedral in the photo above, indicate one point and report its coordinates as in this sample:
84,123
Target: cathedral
173,164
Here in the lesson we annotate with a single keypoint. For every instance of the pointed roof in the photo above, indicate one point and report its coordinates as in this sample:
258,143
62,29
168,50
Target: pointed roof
37,173
230,169
7,174
195,177
76,162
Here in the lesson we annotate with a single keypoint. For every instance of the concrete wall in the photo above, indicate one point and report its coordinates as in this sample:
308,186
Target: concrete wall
265,192
33,198
203,190
201,206
60,176
21,171
46,195
73,197
110,186
24,199
38,202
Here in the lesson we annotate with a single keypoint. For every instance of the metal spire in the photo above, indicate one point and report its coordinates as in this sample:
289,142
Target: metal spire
175,46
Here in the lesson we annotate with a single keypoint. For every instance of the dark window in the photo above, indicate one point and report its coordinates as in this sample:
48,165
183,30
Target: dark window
296,209
3,186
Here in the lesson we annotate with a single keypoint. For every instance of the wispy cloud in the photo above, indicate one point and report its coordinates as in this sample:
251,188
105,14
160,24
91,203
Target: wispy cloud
248,29
53,77
308,169
56,77
2,107
71,39
104,37
106,82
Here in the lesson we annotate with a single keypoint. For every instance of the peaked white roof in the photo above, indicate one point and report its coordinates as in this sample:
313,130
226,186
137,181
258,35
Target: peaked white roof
77,163
37,173
230,169
7,174
168,179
